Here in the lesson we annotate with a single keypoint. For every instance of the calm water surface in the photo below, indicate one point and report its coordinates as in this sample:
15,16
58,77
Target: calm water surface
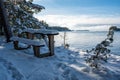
88,39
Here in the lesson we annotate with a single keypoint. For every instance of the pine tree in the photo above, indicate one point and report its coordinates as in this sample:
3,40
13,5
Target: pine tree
98,55
20,14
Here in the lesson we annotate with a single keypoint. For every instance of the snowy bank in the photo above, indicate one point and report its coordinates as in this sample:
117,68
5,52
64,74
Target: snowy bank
64,65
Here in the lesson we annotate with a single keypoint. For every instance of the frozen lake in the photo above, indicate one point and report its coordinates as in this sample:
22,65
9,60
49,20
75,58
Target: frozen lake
88,39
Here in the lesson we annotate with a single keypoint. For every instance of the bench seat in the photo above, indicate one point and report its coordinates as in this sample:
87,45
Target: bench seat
27,41
36,44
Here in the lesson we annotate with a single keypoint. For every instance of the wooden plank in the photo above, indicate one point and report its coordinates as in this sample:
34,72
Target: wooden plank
44,55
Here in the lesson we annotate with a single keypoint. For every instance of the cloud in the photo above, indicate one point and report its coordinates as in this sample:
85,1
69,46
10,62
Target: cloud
72,21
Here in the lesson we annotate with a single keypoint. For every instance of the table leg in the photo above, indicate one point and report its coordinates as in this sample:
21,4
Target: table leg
51,44
36,50
29,35
45,37
15,44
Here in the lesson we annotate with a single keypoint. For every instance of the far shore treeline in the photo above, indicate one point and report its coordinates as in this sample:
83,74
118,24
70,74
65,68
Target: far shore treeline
58,28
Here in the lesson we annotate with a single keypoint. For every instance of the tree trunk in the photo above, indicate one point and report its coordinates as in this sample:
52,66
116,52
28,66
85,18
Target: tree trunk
5,23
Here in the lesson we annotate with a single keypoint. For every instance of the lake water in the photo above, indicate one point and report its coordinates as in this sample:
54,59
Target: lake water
87,40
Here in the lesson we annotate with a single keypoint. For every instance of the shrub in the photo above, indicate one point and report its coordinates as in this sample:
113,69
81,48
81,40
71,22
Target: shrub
98,55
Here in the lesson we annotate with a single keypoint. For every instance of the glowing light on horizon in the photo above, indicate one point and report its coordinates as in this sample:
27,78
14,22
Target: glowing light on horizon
73,22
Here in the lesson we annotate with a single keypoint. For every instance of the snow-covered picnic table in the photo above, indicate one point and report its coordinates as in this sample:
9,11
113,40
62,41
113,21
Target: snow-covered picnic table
50,34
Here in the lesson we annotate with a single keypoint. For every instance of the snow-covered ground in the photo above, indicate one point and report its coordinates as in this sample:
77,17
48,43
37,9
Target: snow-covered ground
64,65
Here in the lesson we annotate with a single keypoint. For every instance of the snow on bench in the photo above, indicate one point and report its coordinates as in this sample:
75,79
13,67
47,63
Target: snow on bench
27,41
36,44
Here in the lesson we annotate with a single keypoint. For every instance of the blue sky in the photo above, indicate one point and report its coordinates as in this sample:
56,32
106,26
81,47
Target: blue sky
73,12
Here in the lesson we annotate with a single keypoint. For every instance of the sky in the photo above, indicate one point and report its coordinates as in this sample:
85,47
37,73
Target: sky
73,13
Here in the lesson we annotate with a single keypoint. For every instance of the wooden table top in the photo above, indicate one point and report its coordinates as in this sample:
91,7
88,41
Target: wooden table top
41,31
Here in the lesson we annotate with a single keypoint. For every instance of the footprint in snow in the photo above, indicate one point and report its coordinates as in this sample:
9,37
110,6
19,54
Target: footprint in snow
15,74
66,72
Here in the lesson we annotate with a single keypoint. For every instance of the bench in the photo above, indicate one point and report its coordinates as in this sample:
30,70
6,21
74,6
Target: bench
35,44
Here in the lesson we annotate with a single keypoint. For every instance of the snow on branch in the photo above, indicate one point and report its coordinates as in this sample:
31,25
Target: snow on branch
98,55
20,14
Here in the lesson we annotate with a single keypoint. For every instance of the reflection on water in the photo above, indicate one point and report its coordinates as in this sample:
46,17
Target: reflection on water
87,39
